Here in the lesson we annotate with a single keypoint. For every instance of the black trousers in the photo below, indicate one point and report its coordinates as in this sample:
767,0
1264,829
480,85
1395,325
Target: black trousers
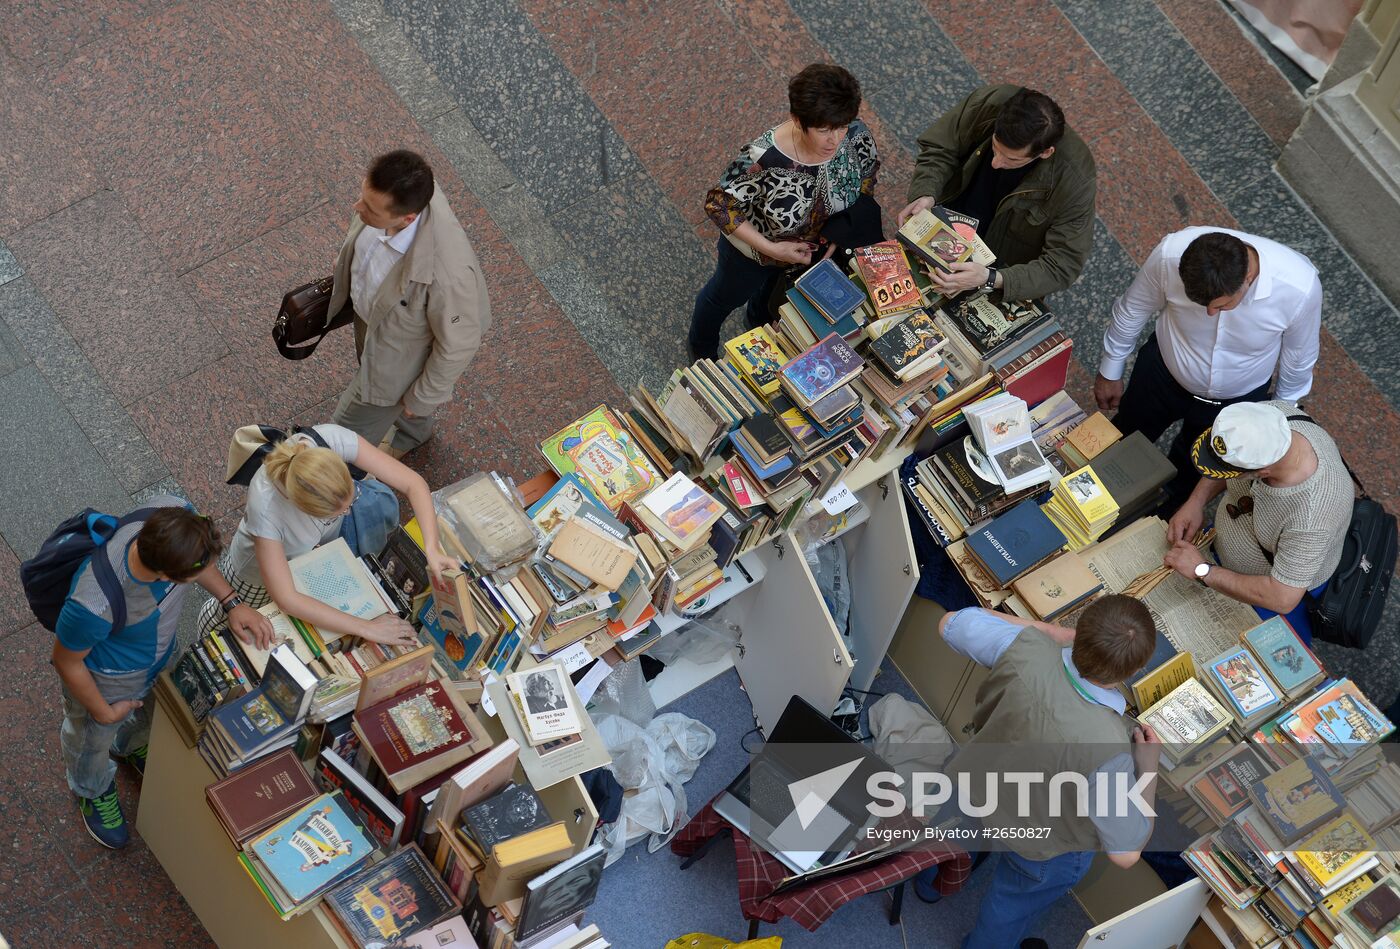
1154,400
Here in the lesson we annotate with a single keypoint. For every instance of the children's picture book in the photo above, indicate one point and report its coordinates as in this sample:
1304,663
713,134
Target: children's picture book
1282,653
1335,849
1246,686
821,369
888,280
829,290
758,358
460,647
1297,798
392,900
313,847
334,575
560,503
602,452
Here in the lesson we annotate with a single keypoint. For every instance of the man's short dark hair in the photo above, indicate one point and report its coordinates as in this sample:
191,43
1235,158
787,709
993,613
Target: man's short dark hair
1113,639
178,543
1214,265
823,96
1030,120
405,177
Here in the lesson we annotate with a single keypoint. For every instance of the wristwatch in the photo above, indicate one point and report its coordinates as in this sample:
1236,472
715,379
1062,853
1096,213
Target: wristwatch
990,283
1202,570
233,600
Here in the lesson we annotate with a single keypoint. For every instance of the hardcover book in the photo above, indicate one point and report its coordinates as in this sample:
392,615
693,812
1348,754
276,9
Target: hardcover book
567,889
987,324
1376,911
377,814
395,675
1352,721
907,347
560,503
510,864
1297,799
1223,789
888,280
1187,717
934,241
419,733
820,370
765,437
1239,679
602,452
312,848
515,810
271,711
829,290
253,799
758,358
1288,661
1015,542
1056,588
404,569
392,900
482,777
1092,436
815,323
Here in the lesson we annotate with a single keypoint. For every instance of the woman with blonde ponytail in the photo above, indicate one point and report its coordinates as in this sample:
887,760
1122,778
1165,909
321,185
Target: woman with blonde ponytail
299,500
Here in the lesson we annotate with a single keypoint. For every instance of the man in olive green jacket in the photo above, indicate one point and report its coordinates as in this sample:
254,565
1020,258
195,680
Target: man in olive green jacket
420,302
1005,157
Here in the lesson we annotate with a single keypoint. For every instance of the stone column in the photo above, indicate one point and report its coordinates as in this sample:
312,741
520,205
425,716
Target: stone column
1344,159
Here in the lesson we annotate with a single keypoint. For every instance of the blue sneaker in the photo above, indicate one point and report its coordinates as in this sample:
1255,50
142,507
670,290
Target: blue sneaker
136,759
103,818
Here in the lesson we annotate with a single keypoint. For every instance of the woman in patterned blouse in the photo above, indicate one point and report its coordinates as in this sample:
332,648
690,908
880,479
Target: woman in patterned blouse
774,200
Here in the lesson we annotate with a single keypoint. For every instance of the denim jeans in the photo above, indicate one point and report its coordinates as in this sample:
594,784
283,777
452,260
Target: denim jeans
88,746
737,281
1019,892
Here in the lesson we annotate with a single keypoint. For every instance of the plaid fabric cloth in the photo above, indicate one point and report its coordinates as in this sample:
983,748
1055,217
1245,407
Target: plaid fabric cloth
809,906
211,615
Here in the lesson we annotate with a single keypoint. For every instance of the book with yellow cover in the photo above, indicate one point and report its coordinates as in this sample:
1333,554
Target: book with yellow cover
757,357
1153,687
1334,849
1089,499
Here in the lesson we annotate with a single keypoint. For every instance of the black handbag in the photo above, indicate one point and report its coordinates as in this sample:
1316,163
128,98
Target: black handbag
302,321
1348,612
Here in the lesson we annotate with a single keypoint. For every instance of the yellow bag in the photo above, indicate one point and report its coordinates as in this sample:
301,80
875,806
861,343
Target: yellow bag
705,941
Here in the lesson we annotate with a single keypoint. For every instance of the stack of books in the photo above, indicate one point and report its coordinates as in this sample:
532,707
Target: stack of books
830,291
1002,427
1242,685
909,346
418,733
296,861
1082,507
1015,543
264,720
816,379
514,837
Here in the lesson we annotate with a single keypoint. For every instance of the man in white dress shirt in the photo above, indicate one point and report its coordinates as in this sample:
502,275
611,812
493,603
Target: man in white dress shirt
1231,307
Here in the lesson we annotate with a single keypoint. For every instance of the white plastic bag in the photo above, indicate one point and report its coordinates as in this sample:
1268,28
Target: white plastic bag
652,764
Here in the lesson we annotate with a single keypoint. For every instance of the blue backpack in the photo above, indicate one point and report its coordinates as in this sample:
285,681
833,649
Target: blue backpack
47,577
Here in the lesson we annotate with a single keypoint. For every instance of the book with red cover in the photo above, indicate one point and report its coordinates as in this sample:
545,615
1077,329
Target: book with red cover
1043,377
260,794
419,733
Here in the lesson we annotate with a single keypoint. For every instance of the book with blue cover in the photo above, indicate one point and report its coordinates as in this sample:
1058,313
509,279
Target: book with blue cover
267,715
1284,656
820,370
312,849
457,651
846,326
833,293
1015,542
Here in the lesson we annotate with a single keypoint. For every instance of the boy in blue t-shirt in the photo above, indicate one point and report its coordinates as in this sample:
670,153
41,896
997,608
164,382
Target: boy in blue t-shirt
106,672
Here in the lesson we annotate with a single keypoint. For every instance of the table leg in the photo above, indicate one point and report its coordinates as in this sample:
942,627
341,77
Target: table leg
897,905
753,929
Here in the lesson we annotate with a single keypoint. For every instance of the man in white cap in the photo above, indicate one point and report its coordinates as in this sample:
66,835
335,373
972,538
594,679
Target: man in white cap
1282,522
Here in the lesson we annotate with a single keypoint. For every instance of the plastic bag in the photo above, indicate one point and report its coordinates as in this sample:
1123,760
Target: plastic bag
624,692
829,569
486,515
704,639
652,764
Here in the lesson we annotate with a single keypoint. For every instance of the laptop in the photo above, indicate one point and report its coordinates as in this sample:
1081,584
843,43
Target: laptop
804,743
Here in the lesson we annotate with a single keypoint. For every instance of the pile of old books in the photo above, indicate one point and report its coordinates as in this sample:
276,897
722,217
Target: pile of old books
304,855
266,719
1082,507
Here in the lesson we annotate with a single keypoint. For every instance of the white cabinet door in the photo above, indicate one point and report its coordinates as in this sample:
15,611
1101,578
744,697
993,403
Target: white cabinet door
788,644
884,572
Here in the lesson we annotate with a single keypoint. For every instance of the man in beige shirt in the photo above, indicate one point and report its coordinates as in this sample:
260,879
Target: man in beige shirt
409,272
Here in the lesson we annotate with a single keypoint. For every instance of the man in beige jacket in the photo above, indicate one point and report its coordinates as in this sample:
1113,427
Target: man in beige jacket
409,272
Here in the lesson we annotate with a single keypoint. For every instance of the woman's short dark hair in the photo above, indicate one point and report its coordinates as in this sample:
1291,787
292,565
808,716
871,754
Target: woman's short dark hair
1214,265
823,96
1113,639
1030,120
405,177
178,543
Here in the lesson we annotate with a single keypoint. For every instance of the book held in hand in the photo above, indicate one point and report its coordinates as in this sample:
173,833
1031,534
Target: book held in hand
334,575
829,290
934,241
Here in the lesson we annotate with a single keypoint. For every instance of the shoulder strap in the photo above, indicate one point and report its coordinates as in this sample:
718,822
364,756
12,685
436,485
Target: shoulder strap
1303,417
107,580
310,432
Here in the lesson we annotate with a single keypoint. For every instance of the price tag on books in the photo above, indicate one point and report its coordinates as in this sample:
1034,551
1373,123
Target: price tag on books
574,658
839,498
